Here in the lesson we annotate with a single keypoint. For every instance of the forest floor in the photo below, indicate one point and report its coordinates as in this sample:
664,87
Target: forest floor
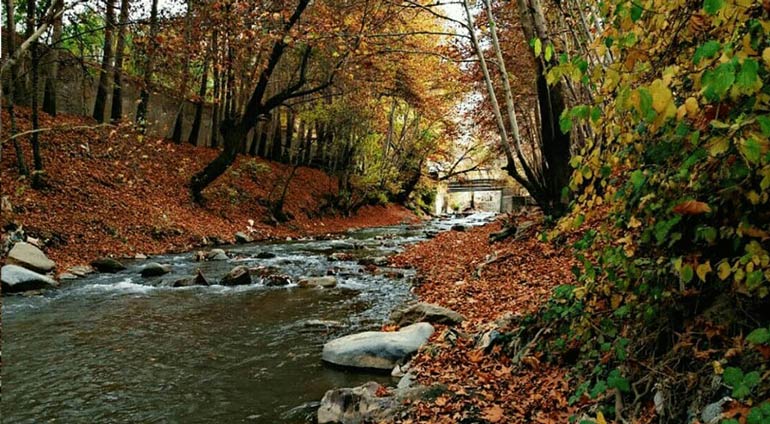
485,282
112,191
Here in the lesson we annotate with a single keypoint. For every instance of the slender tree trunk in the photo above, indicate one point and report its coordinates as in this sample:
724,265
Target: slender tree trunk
117,88
276,152
144,96
104,72
215,73
263,136
255,138
308,146
37,176
11,43
289,135
176,137
49,96
196,125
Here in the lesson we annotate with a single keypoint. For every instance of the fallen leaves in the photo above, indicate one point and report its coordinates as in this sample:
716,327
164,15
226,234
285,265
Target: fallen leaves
116,192
483,385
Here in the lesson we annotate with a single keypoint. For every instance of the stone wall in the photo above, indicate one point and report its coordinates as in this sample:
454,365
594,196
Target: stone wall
76,92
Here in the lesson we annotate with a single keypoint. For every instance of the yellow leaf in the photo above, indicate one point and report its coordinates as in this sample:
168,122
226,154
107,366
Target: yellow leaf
600,418
634,223
724,270
661,96
717,367
691,104
718,146
702,270
766,56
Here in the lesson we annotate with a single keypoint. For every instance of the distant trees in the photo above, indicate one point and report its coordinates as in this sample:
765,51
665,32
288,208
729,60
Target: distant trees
540,163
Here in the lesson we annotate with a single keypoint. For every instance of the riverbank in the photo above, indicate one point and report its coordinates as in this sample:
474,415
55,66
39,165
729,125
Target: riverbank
113,192
486,282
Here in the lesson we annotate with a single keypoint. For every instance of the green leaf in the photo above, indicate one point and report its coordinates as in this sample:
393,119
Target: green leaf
751,150
596,113
717,82
713,6
741,391
548,52
638,179
645,105
764,124
686,274
615,380
599,388
754,417
751,379
759,336
636,12
706,51
732,376
538,46
747,81
565,122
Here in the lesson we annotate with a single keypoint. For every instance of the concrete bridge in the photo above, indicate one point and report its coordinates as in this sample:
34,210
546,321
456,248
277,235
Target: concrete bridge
478,194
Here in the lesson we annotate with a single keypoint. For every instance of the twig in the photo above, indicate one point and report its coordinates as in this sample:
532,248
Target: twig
39,130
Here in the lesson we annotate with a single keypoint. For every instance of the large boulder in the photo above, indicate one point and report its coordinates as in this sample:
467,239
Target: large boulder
107,265
30,257
238,276
17,279
370,403
425,312
154,269
377,349
242,238
325,282
357,405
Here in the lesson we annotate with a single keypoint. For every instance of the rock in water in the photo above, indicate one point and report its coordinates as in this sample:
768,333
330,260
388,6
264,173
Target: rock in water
325,282
154,269
425,312
356,405
17,279
217,255
30,257
238,276
275,280
265,255
107,265
377,349
198,280
242,238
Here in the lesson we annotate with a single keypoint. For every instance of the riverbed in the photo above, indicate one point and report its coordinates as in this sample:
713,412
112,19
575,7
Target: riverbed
119,348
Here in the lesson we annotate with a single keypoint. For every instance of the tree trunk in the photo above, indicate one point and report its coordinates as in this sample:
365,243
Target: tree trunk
144,96
11,43
308,146
117,88
267,128
276,152
289,135
37,175
215,73
104,78
176,137
49,95
196,125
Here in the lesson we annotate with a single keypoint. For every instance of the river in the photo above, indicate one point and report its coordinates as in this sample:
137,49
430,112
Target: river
118,348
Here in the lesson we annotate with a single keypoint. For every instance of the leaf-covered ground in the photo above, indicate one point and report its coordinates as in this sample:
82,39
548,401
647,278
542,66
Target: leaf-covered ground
516,278
112,192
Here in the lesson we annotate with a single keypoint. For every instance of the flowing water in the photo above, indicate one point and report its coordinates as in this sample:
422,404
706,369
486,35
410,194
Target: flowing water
118,348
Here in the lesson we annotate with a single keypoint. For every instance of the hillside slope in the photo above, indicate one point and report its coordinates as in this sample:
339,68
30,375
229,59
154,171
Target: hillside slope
111,191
